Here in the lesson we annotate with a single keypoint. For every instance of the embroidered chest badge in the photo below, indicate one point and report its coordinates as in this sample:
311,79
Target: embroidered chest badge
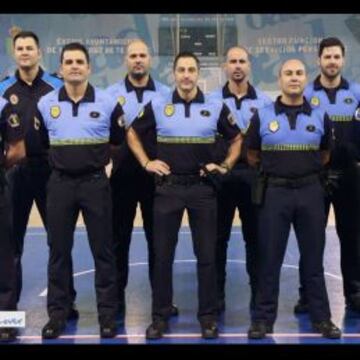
315,101
274,126
55,111
311,128
121,100
169,110
205,113
94,114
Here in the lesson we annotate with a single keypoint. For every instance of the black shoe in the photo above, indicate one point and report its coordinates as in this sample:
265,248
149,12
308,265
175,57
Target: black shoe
156,329
209,330
8,334
73,313
53,329
108,329
259,329
301,307
174,310
327,329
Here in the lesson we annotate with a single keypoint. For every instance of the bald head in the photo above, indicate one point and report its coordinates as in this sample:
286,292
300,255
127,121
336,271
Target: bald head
292,78
136,43
292,63
138,59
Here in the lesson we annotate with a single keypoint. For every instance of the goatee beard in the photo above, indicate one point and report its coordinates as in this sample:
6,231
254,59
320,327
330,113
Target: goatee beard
138,76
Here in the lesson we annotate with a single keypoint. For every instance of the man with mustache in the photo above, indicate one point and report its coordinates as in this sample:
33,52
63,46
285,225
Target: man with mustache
81,123
130,184
339,97
243,100
185,122
291,142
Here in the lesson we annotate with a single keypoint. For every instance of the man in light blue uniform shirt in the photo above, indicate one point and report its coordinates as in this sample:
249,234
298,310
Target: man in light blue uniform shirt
339,98
243,100
130,184
81,122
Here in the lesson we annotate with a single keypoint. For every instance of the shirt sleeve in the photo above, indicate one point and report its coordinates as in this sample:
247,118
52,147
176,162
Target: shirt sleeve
226,125
43,131
326,140
12,125
145,121
252,138
117,125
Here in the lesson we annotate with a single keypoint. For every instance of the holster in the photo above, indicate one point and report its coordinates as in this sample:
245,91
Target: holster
258,188
330,180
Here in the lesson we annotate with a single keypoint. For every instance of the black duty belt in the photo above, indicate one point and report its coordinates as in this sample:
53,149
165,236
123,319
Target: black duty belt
185,180
81,175
293,183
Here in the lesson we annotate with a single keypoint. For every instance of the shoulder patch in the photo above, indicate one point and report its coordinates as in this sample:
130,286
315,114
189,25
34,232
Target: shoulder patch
141,113
14,120
231,119
36,123
357,114
14,99
121,121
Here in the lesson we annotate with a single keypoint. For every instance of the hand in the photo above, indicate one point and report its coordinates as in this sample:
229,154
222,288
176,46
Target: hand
157,167
214,168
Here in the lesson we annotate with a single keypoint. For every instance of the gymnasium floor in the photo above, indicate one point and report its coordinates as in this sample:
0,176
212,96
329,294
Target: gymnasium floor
289,329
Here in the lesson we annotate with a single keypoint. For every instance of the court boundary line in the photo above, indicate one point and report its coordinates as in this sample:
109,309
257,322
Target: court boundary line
190,336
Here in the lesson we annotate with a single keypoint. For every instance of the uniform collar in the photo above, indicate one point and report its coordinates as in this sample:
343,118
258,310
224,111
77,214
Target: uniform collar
37,78
199,98
130,87
251,93
344,84
89,95
281,108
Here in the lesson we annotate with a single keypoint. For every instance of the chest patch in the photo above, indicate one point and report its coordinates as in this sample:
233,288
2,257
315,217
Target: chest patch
311,128
315,101
205,113
94,114
274,126
169,110
55,112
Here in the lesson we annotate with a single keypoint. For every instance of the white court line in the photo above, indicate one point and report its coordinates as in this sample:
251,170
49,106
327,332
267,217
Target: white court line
80,273
191,335
184,232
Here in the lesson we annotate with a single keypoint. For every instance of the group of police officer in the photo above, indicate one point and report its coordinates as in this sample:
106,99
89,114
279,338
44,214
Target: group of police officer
279,163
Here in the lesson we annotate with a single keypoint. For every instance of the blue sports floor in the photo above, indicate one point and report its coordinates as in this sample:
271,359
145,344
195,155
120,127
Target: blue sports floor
289,329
